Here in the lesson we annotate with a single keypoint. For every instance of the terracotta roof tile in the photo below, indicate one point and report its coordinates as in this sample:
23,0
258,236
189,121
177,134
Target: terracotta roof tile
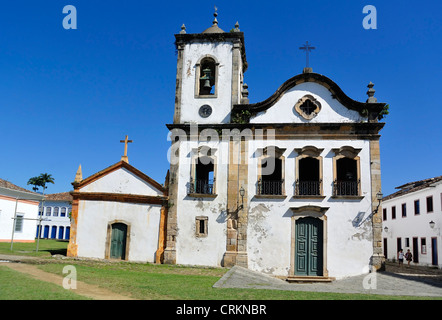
9,185
413,187
62,196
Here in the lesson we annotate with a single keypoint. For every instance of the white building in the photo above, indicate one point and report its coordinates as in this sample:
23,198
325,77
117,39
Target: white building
286,186
117,214
56,223
412,219
20,206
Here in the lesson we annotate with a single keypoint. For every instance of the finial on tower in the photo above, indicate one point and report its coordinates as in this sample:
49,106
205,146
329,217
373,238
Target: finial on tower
215,14
236,27
370,93
183,29
214,28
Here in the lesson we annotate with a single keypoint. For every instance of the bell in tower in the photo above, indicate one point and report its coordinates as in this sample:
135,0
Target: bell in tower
207,80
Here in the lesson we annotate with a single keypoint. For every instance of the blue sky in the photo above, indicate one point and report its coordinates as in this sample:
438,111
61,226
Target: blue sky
68,96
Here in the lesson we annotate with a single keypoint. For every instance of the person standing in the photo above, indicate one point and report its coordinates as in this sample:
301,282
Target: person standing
408,256
400,257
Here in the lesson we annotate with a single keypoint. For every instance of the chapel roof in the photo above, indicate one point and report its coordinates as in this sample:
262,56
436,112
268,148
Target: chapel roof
413,187
121,164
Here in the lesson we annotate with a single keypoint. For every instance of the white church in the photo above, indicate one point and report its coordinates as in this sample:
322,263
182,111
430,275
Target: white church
289,186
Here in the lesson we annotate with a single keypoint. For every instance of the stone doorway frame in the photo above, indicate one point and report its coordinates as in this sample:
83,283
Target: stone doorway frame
304,212
109,238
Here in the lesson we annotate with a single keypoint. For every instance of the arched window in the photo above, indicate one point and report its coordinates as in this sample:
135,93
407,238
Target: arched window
206,77
346,172
203,172
308,172
271,172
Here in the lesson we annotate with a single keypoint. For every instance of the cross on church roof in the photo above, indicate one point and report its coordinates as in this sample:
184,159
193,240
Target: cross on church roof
124,157
307,47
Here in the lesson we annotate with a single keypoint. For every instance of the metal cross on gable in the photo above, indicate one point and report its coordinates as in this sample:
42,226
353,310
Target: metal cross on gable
307,47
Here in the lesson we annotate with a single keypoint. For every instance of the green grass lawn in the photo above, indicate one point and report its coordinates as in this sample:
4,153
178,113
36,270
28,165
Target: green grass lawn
15,285
46,248
148,281
143,281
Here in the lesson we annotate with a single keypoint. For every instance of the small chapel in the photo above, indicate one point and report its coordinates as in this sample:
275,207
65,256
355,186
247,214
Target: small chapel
288,186
117,213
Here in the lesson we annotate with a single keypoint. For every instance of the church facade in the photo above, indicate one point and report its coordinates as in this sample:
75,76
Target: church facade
287,186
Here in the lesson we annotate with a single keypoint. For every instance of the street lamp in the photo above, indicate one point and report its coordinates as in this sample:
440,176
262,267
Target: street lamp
242,192
432,224
386,229
379,197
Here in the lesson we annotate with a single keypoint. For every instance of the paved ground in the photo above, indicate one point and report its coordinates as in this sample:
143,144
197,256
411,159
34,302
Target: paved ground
410,281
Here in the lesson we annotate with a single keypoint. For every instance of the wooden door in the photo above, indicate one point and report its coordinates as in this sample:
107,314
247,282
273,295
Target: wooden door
118,241
434,260
308,248
415,250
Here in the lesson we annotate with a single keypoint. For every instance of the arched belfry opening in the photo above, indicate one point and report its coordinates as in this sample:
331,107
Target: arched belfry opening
207,77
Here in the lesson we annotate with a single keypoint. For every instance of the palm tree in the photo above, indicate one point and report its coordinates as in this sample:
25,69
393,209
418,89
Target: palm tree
45,178
35,181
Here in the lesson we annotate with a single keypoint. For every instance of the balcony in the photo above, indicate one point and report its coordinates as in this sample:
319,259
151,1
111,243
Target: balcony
308,189
346,189
201,188
270,188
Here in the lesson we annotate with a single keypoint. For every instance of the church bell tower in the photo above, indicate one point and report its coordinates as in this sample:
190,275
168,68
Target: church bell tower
209,78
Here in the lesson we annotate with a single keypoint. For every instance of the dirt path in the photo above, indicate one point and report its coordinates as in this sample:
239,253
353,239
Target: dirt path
82,289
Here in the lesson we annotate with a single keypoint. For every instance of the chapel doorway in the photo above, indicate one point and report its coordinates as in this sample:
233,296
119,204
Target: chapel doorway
118,241
309,247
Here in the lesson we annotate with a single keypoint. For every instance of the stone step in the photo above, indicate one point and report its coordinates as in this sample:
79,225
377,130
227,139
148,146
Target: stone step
308,279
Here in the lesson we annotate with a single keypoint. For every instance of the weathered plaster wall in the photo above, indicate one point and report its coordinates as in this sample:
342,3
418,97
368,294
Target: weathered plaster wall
191,249
221,105
331,109
349,245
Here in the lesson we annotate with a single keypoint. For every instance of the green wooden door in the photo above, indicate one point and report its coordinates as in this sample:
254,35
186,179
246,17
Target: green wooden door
118,241
308,248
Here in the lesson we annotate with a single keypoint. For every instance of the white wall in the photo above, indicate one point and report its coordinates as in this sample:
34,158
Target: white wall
121,181
93,219
7,210
414,225
331,109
